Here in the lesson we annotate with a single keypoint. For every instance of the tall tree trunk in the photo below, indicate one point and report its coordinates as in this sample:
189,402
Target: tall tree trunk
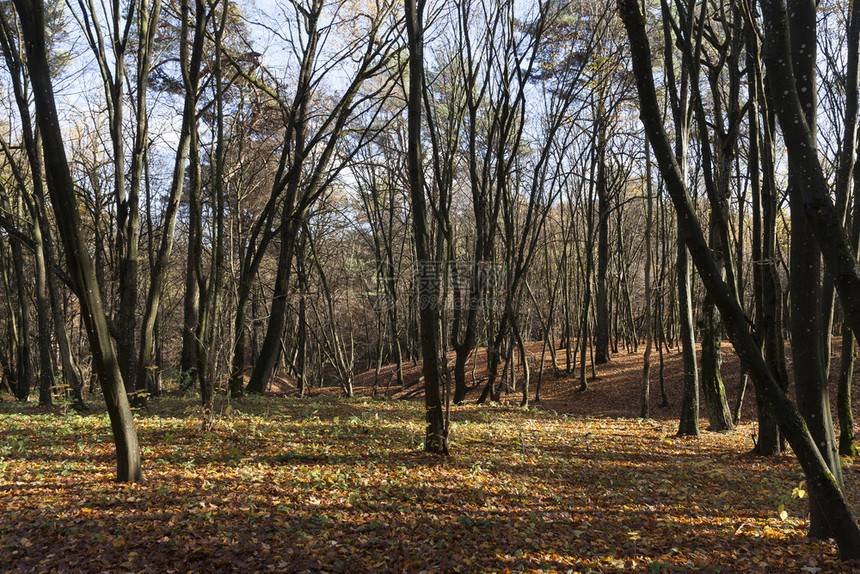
191,67
807,324
301,182
429,273
211,289
689,424
194,280
766,282
845,167
61,188
847,441
43,318
585,332
24,370
267,360
191,300
302,334
645,405
601,328
828,493
716,161
680,100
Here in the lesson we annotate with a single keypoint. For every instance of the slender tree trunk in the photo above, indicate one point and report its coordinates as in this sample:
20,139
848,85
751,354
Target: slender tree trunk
191,328
10,368
525,361
237,363
191,300
645,405
714,391
267,360
71,375
682,116
845,167
847,442
601,328
436,435
24,371
716,168
768,292
302,335
61,188
689,424
191,67
211,288
43,318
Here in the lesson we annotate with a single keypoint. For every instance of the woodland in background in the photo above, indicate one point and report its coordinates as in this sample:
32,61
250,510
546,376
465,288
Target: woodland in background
203,196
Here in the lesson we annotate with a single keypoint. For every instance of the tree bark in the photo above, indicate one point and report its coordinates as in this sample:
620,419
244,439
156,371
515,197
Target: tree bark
828,495
429,271
808,327
601,327
844,409
24,365
689,423
645,407
191,67
766,283
210,289
61,188
43,317
679,94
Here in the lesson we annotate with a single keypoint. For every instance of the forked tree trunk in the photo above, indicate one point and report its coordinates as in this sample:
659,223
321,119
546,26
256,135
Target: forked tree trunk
267,360
828,493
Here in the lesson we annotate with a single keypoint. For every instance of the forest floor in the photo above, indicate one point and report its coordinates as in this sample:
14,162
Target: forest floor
323,483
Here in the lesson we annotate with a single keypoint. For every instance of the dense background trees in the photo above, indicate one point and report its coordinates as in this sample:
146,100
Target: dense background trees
204,196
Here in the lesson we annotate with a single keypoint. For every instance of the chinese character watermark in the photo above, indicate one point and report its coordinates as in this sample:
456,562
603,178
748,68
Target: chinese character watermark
449,285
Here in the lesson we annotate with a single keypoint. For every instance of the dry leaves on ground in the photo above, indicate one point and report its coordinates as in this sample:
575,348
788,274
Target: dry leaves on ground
329,484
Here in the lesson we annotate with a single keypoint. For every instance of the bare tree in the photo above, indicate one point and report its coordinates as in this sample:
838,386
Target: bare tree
61,188
828,493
